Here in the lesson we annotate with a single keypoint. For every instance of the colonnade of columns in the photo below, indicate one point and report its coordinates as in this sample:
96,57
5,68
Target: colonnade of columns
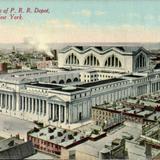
33,105
112,96
58,112
7,101
141,90
37,106
155,86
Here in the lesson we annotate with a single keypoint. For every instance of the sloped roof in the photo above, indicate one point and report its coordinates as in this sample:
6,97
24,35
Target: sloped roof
104,49
14,148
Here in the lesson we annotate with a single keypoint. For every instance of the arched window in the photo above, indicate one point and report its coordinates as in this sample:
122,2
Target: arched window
141,61
54,82
91,60
113,61
61,82
69,81
75,79
72,59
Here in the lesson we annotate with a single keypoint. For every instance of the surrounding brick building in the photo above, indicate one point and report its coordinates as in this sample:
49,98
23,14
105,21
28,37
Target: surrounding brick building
107,117
139,110
51,139
3,67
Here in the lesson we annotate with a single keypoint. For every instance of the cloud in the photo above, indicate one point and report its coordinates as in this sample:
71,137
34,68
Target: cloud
61,23
149,17
89,13
133,15
55,30
100,13
84,12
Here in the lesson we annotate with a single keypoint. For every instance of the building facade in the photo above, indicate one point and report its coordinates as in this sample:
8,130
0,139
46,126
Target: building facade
64,96
47,102
112,58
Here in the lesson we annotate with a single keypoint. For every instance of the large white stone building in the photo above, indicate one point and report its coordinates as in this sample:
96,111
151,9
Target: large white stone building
61,97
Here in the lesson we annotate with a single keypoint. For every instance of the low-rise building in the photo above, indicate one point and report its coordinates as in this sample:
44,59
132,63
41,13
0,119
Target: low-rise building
14,148
115,151
3,67
51,139
133,109
107,117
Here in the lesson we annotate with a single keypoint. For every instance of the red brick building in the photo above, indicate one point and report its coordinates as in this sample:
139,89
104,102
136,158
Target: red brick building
51,139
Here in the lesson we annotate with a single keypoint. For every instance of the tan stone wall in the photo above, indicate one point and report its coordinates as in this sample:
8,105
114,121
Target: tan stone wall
84,156
64,154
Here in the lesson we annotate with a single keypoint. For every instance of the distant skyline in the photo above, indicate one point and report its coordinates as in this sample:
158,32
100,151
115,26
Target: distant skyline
83,21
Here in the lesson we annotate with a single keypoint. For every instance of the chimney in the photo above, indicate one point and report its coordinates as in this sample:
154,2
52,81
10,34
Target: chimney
148,151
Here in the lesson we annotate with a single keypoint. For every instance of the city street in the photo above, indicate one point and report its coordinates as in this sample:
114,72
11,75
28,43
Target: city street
10,126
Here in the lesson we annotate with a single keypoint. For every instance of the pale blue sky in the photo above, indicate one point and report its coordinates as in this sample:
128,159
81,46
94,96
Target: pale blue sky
112,12
85,20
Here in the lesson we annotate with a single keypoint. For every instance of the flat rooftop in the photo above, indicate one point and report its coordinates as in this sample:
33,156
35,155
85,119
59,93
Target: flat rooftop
153,116
57,87
143,113
58,136
133,76
93,147
91,84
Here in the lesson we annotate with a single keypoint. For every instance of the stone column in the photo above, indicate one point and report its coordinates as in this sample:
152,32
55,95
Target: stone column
10,104
6,98
50,111
69,114
32,105
65,114
26,102
17,101
35,106
47,110
53,110
13,102
22,104
1,100
59,113
42,107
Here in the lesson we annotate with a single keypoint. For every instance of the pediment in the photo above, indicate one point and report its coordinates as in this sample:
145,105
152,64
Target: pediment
55,98
25,80
142,50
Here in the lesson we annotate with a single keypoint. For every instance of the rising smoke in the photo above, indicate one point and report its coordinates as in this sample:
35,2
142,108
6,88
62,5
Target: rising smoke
38,45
